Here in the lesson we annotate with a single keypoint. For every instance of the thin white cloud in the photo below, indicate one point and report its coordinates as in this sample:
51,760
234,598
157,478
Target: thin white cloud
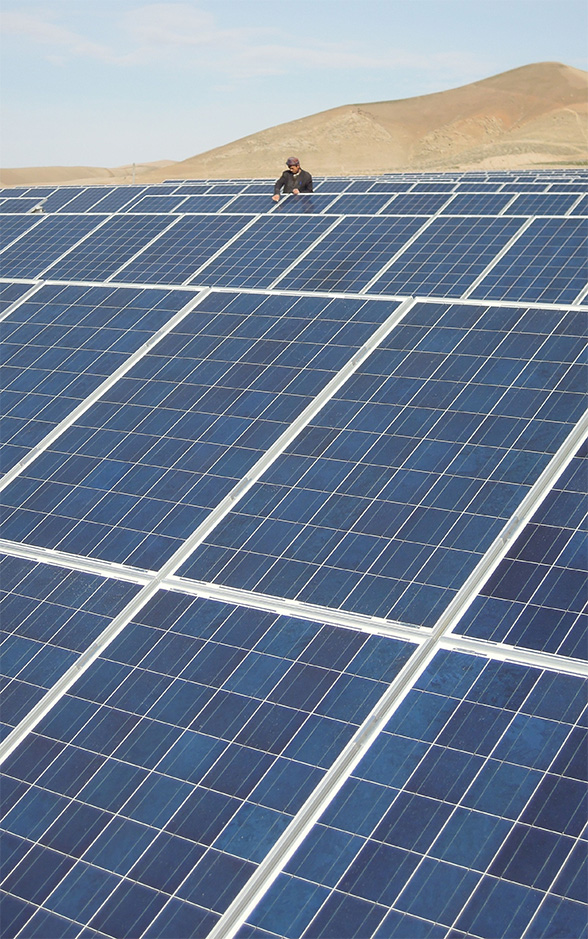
184,36
59,40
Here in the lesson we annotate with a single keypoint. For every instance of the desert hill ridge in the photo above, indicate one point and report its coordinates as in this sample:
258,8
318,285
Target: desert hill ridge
528,117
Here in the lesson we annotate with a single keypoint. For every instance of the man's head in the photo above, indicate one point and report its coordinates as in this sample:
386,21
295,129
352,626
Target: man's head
293,163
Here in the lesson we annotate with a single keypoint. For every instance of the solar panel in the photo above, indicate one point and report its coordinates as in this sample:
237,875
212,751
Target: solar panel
42,245
543,203
351,255
547,262
535,599
180,251
14,227
367,514
19,206
86,199
293,559
263,251
446,258
108,247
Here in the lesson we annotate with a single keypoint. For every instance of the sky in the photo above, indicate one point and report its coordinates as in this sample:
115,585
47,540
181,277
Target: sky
112,82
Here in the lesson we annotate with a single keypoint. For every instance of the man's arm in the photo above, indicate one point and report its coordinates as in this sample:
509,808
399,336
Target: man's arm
279,184
306,185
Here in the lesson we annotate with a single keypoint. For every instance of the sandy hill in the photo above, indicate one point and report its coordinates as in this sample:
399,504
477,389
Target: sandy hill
528,117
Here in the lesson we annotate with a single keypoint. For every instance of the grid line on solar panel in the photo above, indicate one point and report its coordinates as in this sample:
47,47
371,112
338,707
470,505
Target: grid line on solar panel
447,257
497,257
162,447
412,203
18,206
580,207
14,228
453,817
178,253
546,264
60,199
251,689
117,200
535,599
42,245
87,198
156,203
248,204
401,473
541,204
13,294
49,616
117,239
199,204
263,251
307,203
122,324
350,256
360,203
477,203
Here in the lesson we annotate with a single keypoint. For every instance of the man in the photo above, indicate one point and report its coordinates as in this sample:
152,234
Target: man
292,180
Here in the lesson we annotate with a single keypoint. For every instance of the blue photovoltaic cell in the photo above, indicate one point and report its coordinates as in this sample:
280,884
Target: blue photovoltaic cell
477,203
117,240
197,204
359,203
463,818
225,189
198,189
13,192
19,206
543,203
41,191
413,203
360,185
13,227
264,251
434,186
351,254
88,198
59,345
536,599
44,243
9,293
260,188
477,186
387,500
577,186
60,198
580,207
146,798
251,204
48,617
547,264
118,200
392,186
184,752
149,203
532,187
175,256
328,184
446,258
146,463
307,203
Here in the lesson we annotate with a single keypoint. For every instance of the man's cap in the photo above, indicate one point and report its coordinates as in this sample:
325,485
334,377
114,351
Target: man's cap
292,161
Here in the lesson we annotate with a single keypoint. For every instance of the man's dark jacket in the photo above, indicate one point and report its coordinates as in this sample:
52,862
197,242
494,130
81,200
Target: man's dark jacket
289,181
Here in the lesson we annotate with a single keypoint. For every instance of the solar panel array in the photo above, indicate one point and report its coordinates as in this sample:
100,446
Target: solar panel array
293,559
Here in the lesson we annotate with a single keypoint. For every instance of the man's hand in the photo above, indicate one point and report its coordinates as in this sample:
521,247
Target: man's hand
296,192
276,198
